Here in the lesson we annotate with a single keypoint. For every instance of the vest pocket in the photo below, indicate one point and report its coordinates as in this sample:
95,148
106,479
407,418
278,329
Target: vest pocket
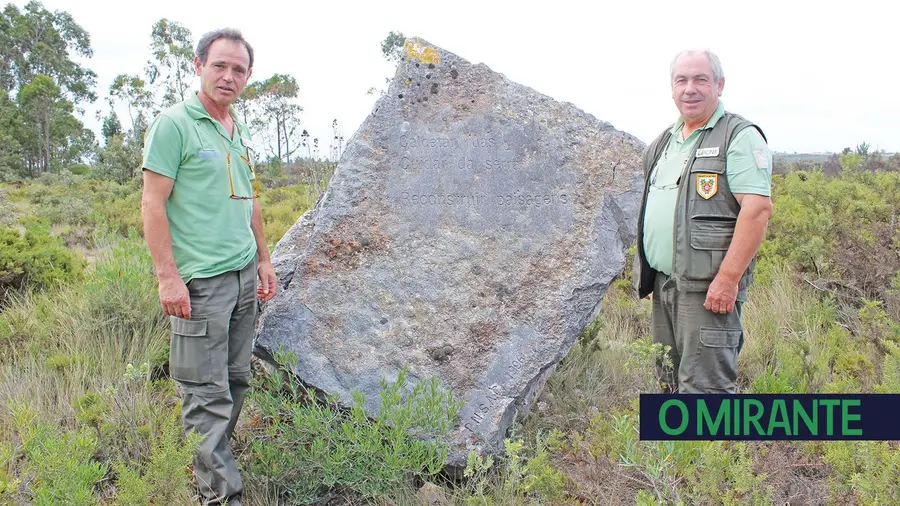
710,237
711,232
712,165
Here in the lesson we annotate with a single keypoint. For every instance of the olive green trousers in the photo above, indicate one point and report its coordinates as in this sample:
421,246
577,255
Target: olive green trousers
210,358
704,345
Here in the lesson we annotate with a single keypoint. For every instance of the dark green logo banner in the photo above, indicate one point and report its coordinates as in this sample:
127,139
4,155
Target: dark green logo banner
770,417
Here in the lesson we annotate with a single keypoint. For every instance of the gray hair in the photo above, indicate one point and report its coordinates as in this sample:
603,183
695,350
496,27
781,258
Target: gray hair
224,33
714,62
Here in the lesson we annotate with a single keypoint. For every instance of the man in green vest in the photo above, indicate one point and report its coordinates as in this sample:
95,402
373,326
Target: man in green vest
704,214
203,226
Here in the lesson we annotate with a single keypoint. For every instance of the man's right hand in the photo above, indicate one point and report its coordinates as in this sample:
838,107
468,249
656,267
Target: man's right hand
174,297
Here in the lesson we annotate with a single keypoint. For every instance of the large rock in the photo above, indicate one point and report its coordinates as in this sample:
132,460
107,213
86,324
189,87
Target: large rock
469,233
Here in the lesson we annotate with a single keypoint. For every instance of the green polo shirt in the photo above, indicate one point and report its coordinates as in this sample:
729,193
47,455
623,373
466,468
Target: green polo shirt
211,232
748,170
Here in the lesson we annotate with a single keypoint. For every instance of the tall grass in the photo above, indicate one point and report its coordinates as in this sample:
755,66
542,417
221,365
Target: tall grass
71,375
57,346
282,207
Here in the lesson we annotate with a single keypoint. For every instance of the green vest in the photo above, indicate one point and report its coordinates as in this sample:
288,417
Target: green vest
705,219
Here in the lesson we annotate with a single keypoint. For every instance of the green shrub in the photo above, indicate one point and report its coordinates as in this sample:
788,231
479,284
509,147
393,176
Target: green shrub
35,261
131,488
59,466
116,207
840,230
866,470
61,201
132,429
679,472
140,436
309,445
523,474
80,170
8,212
78,207
770,383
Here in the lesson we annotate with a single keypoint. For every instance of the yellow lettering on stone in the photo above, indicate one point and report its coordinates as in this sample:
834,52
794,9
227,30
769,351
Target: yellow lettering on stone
425,54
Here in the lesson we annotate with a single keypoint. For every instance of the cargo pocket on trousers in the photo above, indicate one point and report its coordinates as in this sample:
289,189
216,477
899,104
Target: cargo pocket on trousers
189,355
716,366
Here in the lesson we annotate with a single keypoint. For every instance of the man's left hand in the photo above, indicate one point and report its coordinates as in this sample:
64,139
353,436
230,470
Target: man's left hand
268,282
721,296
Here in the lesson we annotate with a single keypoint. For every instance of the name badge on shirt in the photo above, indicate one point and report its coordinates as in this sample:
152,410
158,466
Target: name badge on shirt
707,152
207,154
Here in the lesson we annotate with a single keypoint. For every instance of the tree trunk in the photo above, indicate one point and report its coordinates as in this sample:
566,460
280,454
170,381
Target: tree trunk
39,159
46,140
180,87
133,124
278,133
287,144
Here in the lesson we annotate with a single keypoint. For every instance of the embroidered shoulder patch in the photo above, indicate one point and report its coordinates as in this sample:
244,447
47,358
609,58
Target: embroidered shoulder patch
761,158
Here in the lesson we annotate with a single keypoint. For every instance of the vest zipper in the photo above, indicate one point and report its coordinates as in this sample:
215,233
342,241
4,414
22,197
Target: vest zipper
678,211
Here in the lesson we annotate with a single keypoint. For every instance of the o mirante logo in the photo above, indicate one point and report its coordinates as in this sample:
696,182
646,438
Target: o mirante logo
769,417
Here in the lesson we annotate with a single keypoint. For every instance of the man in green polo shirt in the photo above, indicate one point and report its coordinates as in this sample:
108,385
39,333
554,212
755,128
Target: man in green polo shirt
203,226
704,215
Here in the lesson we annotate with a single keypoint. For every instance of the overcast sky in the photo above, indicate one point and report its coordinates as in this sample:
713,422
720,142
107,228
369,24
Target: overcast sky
816,76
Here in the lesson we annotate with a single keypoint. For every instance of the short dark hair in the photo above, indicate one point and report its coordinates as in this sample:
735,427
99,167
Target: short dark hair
224,33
